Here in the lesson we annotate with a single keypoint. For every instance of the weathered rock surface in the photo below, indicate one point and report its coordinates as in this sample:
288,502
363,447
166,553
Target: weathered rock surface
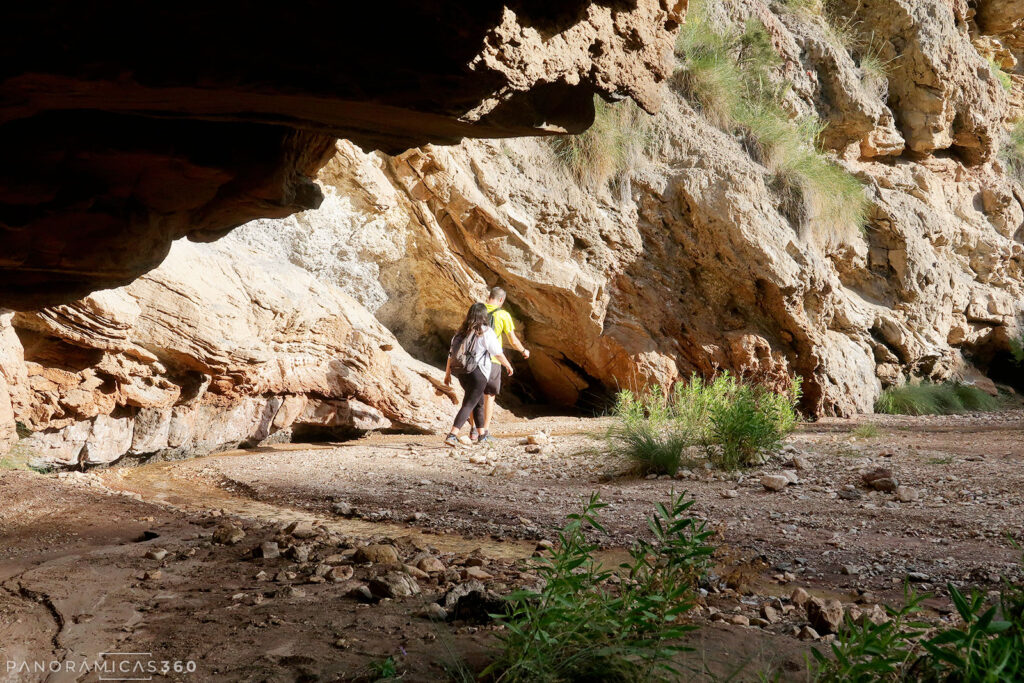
213,349
691,264
117,141
688,263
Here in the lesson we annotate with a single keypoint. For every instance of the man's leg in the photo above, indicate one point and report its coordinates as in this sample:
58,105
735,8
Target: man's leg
490,393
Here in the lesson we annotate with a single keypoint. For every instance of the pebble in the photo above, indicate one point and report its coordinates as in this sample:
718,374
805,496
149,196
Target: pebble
156,554
377,554
799,597
394,585
228,534
826,616
770,614
729,493
478,460
152,575
808,633
301,529
880,479
433,612
537,439
343,509
738,620
430,565
269,550
340,573
478,573
801,463
774,482
906,494
791,475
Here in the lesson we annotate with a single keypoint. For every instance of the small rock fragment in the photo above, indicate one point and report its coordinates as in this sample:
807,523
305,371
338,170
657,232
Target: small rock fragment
301,529
774,482
880,479
906,494
476,573
825,616
808,633
430,565
156,554
269,550
799,597
228,534
377,554
394,585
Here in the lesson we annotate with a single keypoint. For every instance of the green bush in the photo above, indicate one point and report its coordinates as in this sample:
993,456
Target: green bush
582,626
609,149
988,645
947,398
726,74
732,421
741,430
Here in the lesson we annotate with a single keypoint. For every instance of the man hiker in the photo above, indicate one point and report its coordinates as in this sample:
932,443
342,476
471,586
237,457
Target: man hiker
503,326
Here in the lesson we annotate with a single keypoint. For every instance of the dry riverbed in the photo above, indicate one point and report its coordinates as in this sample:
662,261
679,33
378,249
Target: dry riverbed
179,559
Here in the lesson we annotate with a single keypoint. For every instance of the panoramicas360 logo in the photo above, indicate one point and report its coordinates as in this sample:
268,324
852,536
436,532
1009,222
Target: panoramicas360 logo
109,666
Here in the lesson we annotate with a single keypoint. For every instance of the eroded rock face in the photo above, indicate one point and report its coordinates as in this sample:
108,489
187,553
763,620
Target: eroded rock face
129,126
692,265
212,349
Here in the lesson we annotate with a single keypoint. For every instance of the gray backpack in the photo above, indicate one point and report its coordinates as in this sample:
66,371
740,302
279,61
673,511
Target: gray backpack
464,360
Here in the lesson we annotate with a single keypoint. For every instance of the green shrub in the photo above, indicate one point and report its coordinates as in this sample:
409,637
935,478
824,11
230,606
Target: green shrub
609,149
947,398
741,431
1004,78
731,420
988,645
726,74
580,626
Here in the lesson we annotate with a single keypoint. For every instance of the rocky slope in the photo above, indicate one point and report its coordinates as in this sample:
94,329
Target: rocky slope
688,261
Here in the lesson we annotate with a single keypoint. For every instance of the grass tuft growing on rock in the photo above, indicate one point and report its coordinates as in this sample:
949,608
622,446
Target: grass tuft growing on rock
1004,78
590,623
726,74
608,150
731,420
947,398
1011,151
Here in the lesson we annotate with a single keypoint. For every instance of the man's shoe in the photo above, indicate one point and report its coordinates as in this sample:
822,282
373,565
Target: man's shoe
452,440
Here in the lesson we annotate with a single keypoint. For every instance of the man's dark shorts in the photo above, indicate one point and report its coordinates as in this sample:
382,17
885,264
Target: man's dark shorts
494,383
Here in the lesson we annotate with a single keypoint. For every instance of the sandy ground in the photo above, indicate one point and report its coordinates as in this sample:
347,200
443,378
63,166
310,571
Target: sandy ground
76,579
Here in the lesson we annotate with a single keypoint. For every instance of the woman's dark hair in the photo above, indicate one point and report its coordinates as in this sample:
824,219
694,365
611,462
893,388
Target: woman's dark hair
476,320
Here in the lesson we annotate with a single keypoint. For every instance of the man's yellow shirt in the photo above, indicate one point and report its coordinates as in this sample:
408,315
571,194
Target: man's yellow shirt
502,324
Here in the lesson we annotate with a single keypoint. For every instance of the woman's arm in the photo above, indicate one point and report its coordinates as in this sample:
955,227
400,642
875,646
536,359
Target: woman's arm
448,373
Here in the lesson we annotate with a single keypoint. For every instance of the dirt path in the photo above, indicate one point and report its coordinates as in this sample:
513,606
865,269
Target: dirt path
75,582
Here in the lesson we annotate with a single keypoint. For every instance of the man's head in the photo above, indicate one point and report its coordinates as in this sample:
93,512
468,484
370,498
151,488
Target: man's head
497,296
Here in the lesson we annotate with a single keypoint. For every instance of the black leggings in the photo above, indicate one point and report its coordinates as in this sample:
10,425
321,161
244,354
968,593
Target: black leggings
473,402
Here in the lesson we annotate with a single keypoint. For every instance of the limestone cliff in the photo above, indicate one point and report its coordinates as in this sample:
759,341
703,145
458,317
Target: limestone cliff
689,261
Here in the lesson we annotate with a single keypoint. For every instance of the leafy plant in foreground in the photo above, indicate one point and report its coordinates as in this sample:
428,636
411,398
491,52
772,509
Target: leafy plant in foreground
590,623
988,646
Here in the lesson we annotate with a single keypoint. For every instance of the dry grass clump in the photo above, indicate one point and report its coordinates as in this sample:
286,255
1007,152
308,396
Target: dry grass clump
725,73
610,149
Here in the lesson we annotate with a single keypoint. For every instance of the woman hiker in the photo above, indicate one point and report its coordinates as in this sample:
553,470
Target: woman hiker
469,359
